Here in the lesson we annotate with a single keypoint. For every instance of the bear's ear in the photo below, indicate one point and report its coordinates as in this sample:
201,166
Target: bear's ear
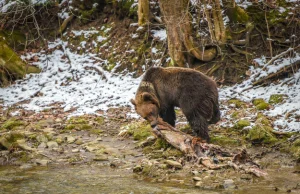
133,102
148,97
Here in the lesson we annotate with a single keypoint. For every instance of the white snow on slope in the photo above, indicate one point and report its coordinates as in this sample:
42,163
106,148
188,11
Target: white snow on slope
289,87
72,79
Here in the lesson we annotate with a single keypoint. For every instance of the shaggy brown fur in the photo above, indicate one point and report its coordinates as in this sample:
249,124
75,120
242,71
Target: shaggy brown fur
196,94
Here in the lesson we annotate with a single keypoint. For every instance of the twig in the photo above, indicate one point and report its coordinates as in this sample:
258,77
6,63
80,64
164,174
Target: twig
239,50
64,24
277,73
269,35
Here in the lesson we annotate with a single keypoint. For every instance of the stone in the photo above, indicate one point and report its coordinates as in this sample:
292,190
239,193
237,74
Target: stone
229,184
75,150
23,145
79,142
195,172
42,138
26,166
42,162
199,184
59,140
172,163
42,146
246,176
101,158
70,139
196,178
52,144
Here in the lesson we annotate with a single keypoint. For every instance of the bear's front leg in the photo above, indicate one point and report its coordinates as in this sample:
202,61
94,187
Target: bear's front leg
168,115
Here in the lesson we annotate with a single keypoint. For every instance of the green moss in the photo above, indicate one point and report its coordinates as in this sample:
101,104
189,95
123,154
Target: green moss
12,67
96,131
242,123
33,69
14,39
261,134
78,120
99,120
172,152
297,143
12,123
85,127
295,149
276,98
235,114
24,157
238,103
140,130
186,129
238,15
258,101
260,104
160,144
224,140
262,120
8,140
70,127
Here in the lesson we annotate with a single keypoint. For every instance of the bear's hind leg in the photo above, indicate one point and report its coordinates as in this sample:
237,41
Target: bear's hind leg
199,126
169,116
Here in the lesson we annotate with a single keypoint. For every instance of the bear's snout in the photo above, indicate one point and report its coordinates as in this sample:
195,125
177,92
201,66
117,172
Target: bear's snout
153,123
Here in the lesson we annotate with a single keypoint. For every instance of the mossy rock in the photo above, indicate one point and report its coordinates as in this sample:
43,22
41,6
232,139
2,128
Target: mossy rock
276,98
261,134
224,140
263,106
260,104
11,124
8,140
242,123
258,101
238,103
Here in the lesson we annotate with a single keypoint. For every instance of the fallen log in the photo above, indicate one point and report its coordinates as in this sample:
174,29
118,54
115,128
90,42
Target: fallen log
199,151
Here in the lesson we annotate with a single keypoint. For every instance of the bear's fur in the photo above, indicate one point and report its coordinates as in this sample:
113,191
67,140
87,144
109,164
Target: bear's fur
162,89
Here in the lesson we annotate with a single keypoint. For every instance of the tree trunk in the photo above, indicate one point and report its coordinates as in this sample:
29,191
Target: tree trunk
181,43
11,66
143,12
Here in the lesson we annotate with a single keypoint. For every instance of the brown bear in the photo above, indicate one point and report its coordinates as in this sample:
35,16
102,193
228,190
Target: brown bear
162,89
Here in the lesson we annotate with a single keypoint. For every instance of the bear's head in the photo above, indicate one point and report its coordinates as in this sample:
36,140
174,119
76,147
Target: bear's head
147,106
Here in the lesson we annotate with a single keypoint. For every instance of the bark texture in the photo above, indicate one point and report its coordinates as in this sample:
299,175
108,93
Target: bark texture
181,43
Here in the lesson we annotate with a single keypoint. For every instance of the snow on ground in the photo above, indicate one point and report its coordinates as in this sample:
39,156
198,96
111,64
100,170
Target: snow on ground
289,87
78,81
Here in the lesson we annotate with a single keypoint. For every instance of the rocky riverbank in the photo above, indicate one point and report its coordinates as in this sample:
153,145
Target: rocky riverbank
50,138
